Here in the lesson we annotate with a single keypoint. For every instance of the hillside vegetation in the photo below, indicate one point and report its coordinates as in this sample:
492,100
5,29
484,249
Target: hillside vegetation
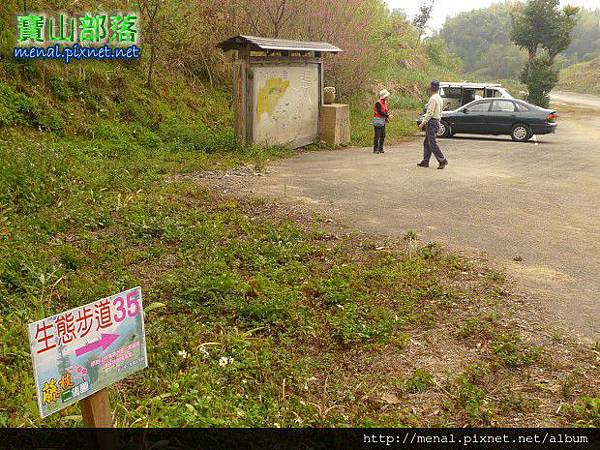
481,38
583,77
256,316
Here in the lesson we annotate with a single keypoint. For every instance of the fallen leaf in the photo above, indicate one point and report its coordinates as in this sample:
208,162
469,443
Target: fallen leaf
390,399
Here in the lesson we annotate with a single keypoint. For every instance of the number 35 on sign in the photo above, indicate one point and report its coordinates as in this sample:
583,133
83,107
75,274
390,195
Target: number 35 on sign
78,352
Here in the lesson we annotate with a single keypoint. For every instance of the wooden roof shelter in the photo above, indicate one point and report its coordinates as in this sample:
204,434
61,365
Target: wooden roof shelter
277,89
268,45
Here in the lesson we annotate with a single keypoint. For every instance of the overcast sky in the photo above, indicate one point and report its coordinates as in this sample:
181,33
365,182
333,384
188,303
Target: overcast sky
445,8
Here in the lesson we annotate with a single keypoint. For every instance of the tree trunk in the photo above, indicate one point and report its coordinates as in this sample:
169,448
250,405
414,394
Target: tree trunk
419,36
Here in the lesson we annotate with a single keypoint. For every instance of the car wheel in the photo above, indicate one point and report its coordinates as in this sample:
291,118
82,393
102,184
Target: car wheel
520,133
445,130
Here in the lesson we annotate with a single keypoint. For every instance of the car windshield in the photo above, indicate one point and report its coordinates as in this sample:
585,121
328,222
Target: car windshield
504,93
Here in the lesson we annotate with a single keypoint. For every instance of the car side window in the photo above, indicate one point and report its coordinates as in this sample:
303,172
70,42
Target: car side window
503,106
521,107
480,107
452,92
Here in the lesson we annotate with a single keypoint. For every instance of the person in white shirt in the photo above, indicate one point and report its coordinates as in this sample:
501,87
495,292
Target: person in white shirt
431,124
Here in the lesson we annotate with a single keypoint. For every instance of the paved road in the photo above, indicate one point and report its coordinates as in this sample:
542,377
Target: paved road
570,98
538,201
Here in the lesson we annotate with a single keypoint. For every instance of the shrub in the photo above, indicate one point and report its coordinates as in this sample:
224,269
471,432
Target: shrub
20,109
13,105
540,78
420,381
510,351
61,90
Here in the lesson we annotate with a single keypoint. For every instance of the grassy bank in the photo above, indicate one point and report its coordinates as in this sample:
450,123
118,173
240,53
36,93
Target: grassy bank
583,78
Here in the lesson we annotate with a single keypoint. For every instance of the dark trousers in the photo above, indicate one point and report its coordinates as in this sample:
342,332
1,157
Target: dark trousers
430,145
379,138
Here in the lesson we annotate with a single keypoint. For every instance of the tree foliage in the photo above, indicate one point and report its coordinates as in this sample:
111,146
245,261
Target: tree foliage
585,38
540,24
182,36
540,77
372,38
423,17
544,30
482,38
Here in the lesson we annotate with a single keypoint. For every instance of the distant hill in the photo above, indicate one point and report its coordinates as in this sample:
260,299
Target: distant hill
481,38
582,77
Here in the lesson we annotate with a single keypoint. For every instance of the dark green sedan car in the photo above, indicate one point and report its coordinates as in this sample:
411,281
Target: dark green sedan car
516,118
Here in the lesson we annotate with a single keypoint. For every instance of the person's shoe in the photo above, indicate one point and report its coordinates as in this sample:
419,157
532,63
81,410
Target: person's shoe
381,151
443,164
423,164
375,151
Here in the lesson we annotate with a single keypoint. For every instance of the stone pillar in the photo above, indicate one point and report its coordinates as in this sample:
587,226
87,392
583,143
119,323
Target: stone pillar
334,124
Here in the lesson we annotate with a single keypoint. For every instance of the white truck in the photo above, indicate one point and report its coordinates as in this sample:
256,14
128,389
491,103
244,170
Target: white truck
457,94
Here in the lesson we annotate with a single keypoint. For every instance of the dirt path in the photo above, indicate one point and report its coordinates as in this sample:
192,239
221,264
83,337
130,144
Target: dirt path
533,206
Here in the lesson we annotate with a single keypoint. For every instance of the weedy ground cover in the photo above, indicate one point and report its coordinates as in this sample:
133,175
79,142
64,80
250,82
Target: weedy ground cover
254,316
256,319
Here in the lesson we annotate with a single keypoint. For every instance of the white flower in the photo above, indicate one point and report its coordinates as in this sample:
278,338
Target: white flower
204,351
224,360
183,354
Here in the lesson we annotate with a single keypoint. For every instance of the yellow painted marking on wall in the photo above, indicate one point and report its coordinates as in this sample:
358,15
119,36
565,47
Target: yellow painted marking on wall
269,95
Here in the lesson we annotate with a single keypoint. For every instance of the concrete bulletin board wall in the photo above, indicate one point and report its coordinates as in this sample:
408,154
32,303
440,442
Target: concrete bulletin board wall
285,103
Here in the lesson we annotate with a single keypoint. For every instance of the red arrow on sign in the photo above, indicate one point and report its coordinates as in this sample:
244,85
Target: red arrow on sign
104,341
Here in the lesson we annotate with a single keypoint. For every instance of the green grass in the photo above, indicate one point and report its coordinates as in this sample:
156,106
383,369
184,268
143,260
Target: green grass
583,77
419,381
509,350
251,302
474,400
583,412
404,111
247,301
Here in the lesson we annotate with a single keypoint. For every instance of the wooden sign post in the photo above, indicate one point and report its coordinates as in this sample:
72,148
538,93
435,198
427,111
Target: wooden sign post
79,353
96,411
